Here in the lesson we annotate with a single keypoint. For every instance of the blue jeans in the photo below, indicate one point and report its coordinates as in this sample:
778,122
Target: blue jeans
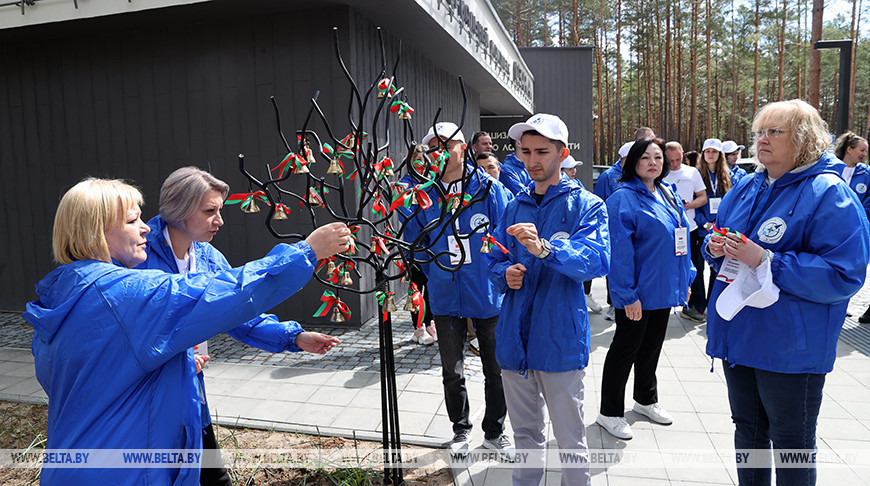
774,407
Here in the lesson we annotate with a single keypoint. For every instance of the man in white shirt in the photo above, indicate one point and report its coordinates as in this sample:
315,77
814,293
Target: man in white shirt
690,186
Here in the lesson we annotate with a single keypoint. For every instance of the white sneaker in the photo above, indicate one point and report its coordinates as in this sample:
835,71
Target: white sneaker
593,306
431,330
616,426
610,315
422,337
503,445
461,442
654,412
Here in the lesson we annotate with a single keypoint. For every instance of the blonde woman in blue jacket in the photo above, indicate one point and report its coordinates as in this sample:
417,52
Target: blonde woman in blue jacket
802,223
651,271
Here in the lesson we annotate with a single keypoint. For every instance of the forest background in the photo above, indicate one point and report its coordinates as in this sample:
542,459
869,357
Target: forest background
696,69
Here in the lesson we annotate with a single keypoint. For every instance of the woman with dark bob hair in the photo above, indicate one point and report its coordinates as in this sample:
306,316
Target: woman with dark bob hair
112,345
795,251
651,271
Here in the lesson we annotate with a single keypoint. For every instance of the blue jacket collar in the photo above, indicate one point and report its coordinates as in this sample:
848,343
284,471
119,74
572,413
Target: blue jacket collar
565,185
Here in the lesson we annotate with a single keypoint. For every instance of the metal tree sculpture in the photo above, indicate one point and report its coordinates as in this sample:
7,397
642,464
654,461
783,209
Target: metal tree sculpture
383,205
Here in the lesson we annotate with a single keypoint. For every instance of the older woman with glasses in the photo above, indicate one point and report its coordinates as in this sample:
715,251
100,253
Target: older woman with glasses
113,345
791,249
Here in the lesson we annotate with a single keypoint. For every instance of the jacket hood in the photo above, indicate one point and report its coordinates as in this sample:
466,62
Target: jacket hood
636,185
826,164
59,291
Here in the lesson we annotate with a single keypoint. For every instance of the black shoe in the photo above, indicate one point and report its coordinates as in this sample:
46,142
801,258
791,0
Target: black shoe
865,317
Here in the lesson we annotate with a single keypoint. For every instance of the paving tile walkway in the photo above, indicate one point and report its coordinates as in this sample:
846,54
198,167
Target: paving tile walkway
339,394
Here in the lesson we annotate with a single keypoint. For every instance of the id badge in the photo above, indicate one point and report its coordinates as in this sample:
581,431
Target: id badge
454,250
714,204
729,270
681,241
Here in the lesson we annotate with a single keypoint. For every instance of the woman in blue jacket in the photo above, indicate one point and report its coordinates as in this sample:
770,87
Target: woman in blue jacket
190,216
651,271
113,346
800,220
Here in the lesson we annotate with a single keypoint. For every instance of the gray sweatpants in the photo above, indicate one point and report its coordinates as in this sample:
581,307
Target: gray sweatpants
562,393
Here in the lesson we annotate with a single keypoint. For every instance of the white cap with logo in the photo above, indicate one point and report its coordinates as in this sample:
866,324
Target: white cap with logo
730,146
714,143
550,126
445,130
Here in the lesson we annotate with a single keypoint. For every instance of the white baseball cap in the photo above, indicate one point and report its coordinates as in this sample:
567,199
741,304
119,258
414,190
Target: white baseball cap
712,143
623,151
751,287
730,146
550,126
570,162
445,129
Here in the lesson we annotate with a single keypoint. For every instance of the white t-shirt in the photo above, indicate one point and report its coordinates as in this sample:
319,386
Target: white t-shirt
848,172
688,181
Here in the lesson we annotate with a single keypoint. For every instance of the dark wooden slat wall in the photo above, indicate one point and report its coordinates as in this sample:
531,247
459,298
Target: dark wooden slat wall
140,102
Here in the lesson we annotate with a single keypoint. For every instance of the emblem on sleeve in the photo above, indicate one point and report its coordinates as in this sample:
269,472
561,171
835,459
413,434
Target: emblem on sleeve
479,219
771,231
861,188
561,235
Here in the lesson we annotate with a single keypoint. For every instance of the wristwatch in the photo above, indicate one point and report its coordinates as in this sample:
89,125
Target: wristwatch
547,249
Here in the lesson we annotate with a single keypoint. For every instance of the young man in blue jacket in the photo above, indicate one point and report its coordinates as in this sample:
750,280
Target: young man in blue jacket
557,236
465,294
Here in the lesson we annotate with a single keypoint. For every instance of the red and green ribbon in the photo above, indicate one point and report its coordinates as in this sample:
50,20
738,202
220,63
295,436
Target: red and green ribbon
724,232
386,88
324,262
489,239
464,199
379,246
378,206
402,109
417,299
247,198
382,297
329,299
404,199
283,208
291,161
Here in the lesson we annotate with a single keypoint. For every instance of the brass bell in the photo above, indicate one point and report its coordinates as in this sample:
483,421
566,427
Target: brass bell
310,158
279,214
485,248
389,305
454,204
404,115
345,279
409,305
334,167
389,172
337,316
251,208
313,199
330,267
413,198
303,169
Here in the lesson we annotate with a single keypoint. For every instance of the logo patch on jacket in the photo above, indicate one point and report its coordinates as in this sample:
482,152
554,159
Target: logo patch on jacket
861,188
479,219
772,230
561,235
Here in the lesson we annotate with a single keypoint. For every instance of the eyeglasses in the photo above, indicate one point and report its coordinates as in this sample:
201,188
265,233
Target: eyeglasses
769,133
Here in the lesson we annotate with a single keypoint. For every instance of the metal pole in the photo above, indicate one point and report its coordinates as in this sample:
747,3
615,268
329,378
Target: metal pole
845,84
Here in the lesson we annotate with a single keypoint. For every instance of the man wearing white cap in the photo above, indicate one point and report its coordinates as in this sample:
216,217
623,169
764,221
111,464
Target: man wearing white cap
513,172
557,237
732,153
569,167
466,293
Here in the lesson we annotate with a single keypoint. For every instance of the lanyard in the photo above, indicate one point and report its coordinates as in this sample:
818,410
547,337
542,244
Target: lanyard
673,205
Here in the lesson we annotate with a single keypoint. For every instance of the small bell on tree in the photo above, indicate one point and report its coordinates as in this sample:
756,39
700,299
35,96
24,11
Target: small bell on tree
310,157
313,199
413,198
279,214
345,279
485,248
454,204
337,316
334,167
302,169
330,267
389,305
250,208
388,172
409,305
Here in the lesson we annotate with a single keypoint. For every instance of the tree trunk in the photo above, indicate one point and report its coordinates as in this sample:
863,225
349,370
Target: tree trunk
575,36
854,31
815,54
619,128
782,52
755,48
735,69
709,34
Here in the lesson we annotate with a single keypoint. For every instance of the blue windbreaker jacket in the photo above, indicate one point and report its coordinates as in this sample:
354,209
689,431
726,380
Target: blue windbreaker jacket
737,173
608,181
859,184
644,262
113,351
818,232
513,175
265,331
544,325
468,292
